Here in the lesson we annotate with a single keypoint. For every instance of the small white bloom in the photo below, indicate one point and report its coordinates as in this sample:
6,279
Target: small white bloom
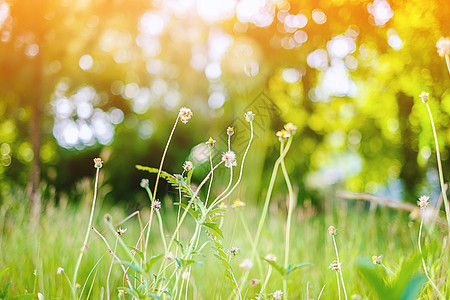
246,264
188,165
424,97
443,46
169,256
185,114
277,294
60,270
423,201
271,257
229,158
249,116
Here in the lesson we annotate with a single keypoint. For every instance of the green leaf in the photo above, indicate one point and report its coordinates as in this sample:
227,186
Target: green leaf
276,266
152,261
134,267
214,227
295,267
413,288
191,211
129,291
3,272
182,263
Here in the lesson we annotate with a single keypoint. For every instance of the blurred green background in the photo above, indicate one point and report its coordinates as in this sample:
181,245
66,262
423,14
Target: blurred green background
81,79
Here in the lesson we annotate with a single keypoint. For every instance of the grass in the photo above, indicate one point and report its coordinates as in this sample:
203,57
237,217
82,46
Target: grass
56,243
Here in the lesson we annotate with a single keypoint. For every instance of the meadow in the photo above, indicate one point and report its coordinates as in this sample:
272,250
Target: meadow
205,246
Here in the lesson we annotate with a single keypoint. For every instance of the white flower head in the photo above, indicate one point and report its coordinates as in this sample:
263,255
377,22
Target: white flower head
424,97
246,264
335,266
169,256
188,165
277,294
377,260
249,116
271,257
60,270
443,46
185,114
423,201
229,158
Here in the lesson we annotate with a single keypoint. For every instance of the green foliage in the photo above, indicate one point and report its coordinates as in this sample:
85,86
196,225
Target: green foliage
285,272
406,285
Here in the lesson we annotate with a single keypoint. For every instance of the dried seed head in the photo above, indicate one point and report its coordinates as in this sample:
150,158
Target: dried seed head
271,257
144,183
332,230
249,116
188,165
283,134
157,205
424,97
211,142
423,201
60,270
377,260
229,158
230,131
121,231
98,163
443,46
234,251
335,266
246,264
169,256
107,217
277,294
291,128
185,114
238,203
254,282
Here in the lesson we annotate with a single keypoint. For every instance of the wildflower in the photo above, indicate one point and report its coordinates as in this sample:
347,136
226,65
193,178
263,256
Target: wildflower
211,142
332,230
121,231
40,296
157,205
34,272
377,260
249,116
443,46
77,286
144,183
270,257
107,217
222,205
234,251
246,264
423,201
230,131
188,165
424,97
277,294
98,163
169,256
291,128
335,266
60,270
254,282
185,114
238,203
283,134
229,158
121,294
84,248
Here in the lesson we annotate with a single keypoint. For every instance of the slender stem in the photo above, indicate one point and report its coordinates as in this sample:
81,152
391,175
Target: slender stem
212,176
321,291
288,222
218,199
266,281
339,287
441,173
149,223
86,238
339,262
388,270
115,256
423,262
161,230
109,274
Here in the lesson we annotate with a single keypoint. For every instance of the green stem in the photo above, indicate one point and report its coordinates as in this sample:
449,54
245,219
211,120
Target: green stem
340,271
161,230
86,238
447,60
212,176
288,222
266,281
423,263
388,270
339,286
441,173
149,223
